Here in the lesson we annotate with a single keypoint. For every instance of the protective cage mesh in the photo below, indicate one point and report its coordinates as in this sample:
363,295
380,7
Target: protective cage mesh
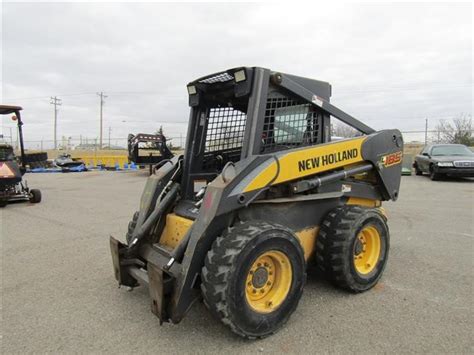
290,123
225,129
218,78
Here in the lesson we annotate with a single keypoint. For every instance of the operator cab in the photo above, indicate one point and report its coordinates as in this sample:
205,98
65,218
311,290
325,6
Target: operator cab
230,123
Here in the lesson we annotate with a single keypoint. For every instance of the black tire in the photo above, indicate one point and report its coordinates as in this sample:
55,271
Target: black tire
131,227
417,170
3,203
227,269
337,243
35,196
433,175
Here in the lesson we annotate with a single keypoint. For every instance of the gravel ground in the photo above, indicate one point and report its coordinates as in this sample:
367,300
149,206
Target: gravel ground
59,293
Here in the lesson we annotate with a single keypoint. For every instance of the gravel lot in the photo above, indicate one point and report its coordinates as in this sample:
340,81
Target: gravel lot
59,293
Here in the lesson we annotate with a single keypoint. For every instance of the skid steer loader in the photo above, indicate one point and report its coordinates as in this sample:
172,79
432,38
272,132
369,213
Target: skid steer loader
260,192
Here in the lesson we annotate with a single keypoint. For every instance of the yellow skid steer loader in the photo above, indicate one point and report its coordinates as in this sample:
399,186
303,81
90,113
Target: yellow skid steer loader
260,192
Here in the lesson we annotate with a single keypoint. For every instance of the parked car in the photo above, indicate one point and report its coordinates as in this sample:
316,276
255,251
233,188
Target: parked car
445,159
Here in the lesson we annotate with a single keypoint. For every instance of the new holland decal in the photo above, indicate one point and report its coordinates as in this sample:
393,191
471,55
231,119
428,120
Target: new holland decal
307,161
327,159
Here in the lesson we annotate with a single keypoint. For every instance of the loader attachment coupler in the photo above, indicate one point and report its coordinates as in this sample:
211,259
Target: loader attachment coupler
261,191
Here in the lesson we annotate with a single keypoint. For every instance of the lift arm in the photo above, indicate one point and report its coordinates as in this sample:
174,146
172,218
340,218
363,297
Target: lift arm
288,84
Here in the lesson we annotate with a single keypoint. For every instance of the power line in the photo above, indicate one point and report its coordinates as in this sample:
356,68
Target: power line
347,90
436,131
368,89
45,97
410,118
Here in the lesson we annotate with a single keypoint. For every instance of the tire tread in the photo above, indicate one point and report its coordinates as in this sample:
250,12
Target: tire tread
218,266
131,227
333,245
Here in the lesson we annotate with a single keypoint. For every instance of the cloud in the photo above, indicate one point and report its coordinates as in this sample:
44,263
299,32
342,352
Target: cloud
390,65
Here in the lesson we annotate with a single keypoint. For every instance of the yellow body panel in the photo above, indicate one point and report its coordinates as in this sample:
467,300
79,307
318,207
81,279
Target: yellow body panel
366,202
312,160
307,239
107,160
175,229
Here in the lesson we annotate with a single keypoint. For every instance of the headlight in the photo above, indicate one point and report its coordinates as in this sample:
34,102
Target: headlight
445,164
192,90
239,76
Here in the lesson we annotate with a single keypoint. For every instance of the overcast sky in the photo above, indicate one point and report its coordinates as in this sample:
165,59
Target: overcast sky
389,65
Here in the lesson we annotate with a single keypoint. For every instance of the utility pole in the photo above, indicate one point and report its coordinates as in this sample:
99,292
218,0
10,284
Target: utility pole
56,102
102,97
426,131
110,130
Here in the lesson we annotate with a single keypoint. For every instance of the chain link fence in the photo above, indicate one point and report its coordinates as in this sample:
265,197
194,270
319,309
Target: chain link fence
84,143
412,138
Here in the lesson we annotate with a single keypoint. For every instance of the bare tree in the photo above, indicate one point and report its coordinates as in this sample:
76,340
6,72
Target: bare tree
459,131
340,129
160,131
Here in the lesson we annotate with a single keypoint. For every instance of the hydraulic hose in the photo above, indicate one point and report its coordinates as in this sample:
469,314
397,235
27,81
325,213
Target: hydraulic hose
144,229
305,185
180,249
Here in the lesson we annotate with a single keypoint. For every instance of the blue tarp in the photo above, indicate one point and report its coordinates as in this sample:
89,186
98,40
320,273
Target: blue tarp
45,170
75,169
81,168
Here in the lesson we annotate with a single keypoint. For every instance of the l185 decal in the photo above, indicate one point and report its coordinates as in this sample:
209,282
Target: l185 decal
392,159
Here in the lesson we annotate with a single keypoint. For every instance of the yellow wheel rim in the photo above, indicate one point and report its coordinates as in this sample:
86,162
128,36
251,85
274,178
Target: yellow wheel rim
268,281
367,250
